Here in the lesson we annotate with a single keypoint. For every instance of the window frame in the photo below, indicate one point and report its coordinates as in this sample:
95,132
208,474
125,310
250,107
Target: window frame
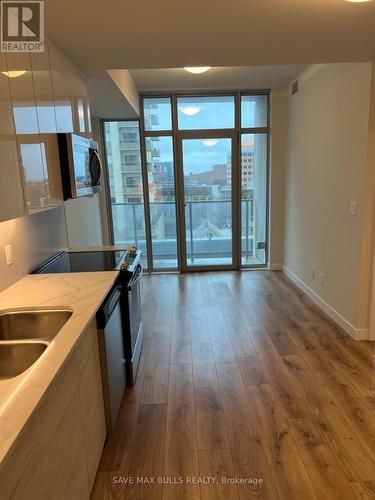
177,134
106,180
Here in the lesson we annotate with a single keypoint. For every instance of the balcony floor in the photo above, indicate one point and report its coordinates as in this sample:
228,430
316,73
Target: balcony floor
205,262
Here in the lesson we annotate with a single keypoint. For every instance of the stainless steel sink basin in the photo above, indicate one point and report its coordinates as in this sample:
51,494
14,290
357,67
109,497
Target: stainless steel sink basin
17,357
32,324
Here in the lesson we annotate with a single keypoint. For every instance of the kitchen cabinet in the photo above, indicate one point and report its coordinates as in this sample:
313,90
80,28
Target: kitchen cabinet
70,94
12,203
43,94
68,428
30,149
47,125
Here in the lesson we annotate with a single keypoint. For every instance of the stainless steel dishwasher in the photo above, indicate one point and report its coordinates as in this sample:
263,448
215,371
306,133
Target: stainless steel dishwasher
112,361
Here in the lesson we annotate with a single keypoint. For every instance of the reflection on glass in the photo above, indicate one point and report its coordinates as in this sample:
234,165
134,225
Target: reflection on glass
161,185
46,117
11,193
124,170
81,115
35,186
208,201
25,118
26,122
64,116
88,116
206,112
157,113
253,111
253,199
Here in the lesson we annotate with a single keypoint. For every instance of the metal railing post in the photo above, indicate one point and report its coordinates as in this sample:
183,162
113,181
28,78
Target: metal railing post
191,231
247,228
135,226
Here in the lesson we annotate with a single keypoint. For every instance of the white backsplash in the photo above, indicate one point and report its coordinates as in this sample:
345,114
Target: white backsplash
34,238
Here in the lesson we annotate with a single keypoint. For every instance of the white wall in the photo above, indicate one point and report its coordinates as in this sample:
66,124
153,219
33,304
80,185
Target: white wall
327,168
372,305
279,104
34,238
371,182
125,83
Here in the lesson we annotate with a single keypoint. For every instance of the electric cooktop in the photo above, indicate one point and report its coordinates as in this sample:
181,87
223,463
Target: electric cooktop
78,262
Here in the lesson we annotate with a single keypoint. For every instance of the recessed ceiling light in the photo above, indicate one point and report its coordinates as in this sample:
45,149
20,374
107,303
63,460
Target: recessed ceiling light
358,1
197,69
13,74
190,110
210,143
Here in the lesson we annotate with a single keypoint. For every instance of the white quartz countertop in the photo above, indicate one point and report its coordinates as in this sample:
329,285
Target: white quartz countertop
100,248
82,293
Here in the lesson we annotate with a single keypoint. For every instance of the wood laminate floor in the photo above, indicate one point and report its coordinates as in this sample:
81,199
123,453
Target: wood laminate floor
241,380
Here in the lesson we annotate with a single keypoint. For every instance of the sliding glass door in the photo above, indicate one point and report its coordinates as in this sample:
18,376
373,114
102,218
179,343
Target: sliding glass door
207,208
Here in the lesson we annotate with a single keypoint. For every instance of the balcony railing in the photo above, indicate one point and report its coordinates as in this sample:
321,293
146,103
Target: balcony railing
208,228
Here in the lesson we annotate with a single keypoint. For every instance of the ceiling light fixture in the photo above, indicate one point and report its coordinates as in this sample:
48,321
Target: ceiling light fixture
190,110
210,143
358,1
196,70
13,74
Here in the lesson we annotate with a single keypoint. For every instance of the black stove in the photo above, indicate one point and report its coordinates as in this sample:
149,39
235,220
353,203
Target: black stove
125,291
91,261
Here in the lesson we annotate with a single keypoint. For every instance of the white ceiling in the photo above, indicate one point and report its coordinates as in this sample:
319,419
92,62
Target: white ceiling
115,34
106,99
242,77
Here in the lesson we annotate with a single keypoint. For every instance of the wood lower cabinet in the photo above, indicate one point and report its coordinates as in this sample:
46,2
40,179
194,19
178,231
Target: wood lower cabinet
72,430
91,397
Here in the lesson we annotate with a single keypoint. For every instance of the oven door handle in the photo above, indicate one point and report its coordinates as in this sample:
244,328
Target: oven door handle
136,278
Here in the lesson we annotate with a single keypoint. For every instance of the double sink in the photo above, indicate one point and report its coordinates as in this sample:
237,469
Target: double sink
25,335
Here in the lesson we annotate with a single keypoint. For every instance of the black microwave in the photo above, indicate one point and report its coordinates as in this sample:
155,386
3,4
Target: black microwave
80,165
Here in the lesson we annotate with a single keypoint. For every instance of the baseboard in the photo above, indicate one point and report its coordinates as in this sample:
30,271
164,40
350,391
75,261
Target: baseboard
355,333
275,267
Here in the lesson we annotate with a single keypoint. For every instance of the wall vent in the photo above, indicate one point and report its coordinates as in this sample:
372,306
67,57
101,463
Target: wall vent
295,87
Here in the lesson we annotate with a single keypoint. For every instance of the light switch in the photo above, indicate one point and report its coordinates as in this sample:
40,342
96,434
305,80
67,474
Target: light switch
353,208
9,254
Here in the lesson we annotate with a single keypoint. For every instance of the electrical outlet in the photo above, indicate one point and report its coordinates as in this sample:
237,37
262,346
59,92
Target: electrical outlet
322,279
353,208
313,273
9,254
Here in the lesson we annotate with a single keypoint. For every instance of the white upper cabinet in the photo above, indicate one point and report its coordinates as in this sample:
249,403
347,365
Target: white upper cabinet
30,147
47,124
70,94
41,94
12,203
